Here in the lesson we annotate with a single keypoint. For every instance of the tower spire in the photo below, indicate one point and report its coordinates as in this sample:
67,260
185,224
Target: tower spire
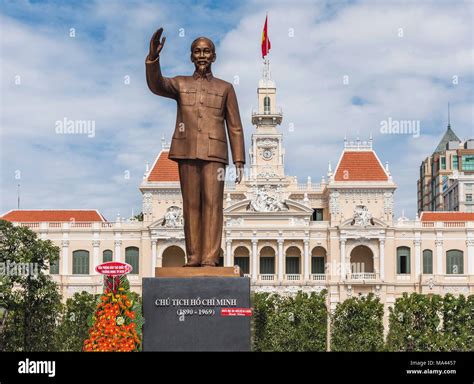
449,117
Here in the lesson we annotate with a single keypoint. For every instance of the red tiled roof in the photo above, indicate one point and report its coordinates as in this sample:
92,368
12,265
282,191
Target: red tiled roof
447,216
164,169
48,215
360,166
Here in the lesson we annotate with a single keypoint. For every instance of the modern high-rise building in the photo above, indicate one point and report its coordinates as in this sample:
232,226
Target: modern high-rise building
451,163
458,195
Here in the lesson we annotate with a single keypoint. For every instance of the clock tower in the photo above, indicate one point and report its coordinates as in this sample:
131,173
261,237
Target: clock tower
266,150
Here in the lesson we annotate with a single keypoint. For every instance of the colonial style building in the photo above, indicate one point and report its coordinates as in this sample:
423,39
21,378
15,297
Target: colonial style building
339,234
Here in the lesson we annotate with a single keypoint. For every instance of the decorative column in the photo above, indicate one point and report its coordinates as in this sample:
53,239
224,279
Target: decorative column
118,245
281,259
254,270
65,257
382,258
342,243
417,244
470,256
439,256
228,253
306,263
153,257
95,255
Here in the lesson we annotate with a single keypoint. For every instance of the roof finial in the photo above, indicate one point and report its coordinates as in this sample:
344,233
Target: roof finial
164,145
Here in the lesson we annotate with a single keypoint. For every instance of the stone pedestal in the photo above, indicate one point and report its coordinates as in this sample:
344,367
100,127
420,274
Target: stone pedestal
196,313
198,272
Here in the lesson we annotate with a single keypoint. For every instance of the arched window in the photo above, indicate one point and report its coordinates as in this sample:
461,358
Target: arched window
107,256
318,257
132,258
242,259
54,267
454,262
267,261
428,261
293,256
403,260
266,105
80,262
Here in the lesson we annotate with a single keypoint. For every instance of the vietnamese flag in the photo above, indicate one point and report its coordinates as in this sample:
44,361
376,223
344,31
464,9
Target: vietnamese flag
265,40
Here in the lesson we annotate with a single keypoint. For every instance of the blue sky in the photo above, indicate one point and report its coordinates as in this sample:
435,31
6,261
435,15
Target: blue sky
400,58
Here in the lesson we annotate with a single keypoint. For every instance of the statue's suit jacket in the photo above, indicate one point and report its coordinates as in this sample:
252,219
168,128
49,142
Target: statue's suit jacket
203,106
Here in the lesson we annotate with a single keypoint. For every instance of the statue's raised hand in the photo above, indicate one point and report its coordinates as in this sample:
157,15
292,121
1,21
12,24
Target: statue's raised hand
156,45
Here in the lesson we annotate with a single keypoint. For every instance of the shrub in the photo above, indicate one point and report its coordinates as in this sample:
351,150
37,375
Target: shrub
415,323
74,326
357,325
296,323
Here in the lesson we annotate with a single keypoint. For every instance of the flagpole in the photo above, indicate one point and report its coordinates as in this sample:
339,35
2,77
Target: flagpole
266,59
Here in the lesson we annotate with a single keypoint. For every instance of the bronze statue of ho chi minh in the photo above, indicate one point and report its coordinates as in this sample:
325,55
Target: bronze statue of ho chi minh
199,144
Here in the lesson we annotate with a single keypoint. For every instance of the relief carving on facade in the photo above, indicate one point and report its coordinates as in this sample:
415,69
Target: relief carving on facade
267,172
362,217
267,143
235,222
334,203
298,221
147,203
388,203
173,217
266,200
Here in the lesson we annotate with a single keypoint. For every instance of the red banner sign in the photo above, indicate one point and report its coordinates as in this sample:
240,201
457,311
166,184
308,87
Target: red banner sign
236,311
114,268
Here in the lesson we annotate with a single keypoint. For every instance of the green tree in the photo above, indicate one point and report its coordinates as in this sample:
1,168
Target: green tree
29,297
415,323
296,323
458,323
357,325
76,317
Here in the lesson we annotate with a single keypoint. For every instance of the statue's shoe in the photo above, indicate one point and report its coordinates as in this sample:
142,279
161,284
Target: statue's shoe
209,264
192,264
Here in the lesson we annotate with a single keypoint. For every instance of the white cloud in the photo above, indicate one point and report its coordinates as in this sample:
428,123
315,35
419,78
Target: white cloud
405,77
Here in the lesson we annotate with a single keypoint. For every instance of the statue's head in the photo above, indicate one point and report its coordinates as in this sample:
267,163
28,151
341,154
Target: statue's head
203,54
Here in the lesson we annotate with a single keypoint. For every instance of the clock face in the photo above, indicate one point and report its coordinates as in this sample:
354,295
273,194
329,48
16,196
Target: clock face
267,154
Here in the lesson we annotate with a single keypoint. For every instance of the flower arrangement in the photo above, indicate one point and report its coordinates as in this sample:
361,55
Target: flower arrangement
117,321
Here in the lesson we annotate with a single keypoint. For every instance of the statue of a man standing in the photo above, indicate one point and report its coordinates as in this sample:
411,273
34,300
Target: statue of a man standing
199,144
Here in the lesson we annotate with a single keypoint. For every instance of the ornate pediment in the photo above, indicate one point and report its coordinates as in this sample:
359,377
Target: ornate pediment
291,209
